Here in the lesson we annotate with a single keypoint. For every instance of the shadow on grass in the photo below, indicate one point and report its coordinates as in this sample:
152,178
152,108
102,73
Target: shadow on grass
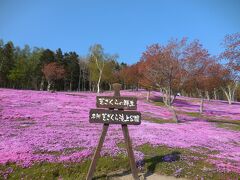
156,99
152,162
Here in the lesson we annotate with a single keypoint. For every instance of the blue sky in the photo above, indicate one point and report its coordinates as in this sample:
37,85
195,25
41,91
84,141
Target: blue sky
124,27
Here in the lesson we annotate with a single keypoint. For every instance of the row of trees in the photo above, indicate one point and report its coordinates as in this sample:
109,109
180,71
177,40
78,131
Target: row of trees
42,69
179,66
188,68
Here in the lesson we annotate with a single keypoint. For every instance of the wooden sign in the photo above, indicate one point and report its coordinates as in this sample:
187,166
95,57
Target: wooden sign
114,117
127,103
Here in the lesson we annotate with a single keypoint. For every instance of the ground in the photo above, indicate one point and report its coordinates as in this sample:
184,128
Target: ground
47,135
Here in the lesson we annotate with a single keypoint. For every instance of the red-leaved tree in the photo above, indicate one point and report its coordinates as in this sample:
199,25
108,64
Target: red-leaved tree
53,72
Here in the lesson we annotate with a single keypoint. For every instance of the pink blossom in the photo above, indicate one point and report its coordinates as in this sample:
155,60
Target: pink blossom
33,122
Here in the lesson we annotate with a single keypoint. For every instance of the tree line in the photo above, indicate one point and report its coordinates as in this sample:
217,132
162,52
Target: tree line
189,69
179,67
44,69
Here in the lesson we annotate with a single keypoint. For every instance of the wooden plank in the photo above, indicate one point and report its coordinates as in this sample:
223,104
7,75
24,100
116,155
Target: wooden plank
114,117
97,152
130,152
123,102
116,87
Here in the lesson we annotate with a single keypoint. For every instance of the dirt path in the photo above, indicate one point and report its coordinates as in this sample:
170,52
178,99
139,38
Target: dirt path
146,177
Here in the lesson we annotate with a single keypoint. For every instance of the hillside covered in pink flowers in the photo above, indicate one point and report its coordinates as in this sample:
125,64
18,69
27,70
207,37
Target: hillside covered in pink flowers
38,126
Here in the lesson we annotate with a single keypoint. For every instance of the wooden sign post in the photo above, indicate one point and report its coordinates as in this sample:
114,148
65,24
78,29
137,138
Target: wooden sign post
112,116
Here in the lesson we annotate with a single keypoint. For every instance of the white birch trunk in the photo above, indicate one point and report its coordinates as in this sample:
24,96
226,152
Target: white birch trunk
207,95
49,85
215,94
201,105
42,84
175,117
99,80
148,95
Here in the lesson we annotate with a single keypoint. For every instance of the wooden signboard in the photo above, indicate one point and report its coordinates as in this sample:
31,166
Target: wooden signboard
127,103
111,116
114,117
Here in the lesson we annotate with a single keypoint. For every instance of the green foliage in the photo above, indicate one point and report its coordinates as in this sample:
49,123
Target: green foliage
109,71
70,61
97,59
47,57
25,70
59,56
6,62
101,66
94,73
19,72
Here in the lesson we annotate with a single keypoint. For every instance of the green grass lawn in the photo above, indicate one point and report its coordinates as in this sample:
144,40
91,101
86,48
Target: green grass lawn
234,127
157,120
223,123
159,104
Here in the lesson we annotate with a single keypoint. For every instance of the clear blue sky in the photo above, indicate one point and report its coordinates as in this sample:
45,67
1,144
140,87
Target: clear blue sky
124,27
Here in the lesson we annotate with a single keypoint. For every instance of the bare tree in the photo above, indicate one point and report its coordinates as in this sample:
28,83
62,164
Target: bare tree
231,54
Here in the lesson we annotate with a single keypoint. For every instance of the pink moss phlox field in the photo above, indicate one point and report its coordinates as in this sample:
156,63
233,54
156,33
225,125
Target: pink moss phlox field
41,126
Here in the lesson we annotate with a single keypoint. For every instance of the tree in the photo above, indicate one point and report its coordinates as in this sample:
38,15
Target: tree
83,73
53,72
196,61
35,72
46,58
229,83
143,81
163,69
129,75
120,75
20,74
97,63
214,79
72,69
109,75
231,56
1,62
59,56
6,63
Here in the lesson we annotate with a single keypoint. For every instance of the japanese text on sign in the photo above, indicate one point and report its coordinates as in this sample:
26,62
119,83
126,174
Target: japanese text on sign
117,102
115,117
